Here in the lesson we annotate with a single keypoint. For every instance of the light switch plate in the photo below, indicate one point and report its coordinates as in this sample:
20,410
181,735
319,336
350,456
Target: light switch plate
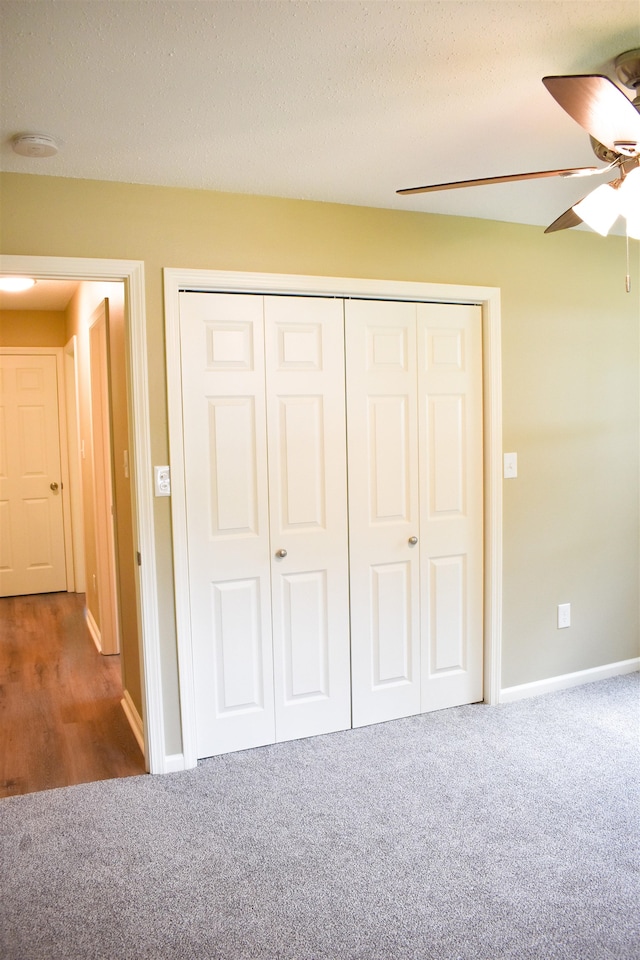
510,466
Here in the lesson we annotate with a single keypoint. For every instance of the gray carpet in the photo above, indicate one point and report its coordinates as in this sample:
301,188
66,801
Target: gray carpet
473,833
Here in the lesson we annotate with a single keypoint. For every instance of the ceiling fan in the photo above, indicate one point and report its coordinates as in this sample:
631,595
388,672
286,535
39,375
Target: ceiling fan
613,123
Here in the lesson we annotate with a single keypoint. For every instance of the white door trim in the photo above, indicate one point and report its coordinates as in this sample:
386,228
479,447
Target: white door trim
131,272
75,480
223,281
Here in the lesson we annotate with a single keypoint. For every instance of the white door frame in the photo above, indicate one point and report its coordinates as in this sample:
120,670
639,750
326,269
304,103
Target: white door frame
223,281
77,584
131,273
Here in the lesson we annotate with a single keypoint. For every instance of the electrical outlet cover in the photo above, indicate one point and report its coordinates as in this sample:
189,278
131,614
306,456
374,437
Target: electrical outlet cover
162,481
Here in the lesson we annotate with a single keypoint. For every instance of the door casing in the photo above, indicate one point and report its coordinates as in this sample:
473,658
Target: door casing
488,298
78,583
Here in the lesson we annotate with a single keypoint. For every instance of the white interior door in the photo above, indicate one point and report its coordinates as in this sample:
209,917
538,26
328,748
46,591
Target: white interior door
383,509
308,514
32,557
451,514
225,455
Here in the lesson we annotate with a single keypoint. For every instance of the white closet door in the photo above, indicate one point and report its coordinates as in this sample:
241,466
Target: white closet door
308,511
383,509
223,388
451,529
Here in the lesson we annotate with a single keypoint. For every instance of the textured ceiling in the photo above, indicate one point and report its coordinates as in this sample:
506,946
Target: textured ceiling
331,101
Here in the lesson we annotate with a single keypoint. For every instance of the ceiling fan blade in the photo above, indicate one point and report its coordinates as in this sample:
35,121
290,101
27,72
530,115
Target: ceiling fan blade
509,178
601,108
566,220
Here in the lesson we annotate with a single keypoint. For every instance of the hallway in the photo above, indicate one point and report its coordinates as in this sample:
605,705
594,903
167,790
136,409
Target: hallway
60,713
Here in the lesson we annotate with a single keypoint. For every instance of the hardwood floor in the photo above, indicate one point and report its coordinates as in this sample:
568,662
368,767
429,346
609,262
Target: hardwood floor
61,721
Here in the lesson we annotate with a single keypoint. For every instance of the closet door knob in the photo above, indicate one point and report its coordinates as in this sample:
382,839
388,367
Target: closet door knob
413,541
53,486
281,553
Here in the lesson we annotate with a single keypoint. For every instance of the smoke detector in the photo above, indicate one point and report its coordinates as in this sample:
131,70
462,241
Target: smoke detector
35,145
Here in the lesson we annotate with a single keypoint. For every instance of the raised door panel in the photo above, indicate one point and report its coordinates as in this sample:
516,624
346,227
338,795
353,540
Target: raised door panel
31,451
451,536
304,642
391,633
233,447
236,635
383,509
308,514
32,556
222,346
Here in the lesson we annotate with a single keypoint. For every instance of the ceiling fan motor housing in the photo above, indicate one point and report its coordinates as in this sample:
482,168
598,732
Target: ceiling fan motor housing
627,67
603,153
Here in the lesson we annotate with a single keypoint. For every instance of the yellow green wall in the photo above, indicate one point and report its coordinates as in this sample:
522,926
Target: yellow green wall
32,328
570,375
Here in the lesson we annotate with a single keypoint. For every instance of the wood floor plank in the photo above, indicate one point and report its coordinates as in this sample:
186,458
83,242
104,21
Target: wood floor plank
60,701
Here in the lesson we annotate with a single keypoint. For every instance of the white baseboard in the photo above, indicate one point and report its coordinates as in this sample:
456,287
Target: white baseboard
537,687
174,763
93,628
134,718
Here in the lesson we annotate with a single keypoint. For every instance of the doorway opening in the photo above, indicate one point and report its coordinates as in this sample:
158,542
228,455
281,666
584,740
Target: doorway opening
70,438
129,277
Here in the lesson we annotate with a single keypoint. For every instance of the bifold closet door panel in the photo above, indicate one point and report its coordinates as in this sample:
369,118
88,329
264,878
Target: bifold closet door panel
451,502
383,509
308,514
225,456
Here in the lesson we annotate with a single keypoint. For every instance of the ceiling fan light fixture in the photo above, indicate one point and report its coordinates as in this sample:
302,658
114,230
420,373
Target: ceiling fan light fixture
633,226
600,208
629,193
629,190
